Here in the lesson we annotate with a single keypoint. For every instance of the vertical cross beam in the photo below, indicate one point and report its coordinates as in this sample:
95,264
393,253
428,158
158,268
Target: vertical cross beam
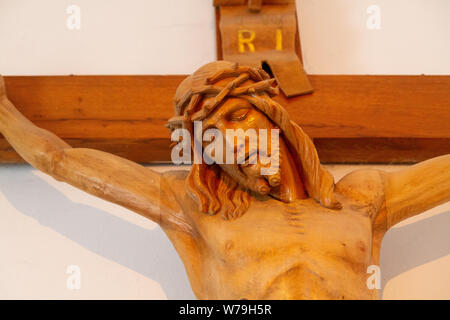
260,34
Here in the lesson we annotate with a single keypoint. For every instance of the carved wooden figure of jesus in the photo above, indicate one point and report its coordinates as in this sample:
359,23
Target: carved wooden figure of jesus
292,234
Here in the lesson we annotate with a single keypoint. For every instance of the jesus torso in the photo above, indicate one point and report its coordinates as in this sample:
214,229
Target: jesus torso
275,250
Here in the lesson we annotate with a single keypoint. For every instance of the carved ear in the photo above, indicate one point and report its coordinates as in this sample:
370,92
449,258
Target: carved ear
2,87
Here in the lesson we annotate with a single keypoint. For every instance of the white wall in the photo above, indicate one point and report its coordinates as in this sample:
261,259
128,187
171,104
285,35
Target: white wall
116,37
414,36
46,226
176,37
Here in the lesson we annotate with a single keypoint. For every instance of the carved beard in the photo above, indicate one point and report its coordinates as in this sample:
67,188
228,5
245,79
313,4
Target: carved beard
250,173
278,185
270,184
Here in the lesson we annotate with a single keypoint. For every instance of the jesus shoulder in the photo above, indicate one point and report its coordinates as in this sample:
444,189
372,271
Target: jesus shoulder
364,189
173,195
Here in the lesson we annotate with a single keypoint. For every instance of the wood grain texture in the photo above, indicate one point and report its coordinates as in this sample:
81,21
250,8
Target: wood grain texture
274,41
298,48
119,113
380,150
330,150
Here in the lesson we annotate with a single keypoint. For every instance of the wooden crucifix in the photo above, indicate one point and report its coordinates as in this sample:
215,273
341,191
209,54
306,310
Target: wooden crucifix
242,232
292,233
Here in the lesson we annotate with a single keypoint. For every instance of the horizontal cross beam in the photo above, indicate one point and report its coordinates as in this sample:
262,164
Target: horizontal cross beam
353,118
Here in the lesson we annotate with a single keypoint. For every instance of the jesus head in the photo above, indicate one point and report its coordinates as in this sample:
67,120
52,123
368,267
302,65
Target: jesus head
224,96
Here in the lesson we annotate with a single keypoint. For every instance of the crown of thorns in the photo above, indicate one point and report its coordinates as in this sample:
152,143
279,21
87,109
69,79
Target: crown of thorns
186,104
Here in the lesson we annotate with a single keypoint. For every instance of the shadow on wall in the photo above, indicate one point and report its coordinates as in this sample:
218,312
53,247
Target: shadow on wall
148,252
414,244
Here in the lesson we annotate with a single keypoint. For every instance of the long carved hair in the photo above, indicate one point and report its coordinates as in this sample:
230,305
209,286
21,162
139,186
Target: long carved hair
213,189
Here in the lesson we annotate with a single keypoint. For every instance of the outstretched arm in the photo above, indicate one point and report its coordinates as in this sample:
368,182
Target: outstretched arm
417,189
101,174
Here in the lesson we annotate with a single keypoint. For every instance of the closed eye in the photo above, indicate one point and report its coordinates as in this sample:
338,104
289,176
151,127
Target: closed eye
239,115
